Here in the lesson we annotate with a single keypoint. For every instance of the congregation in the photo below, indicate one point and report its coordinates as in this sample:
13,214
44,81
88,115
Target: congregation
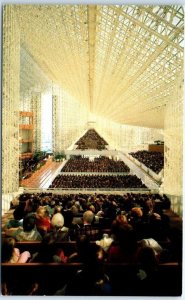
91,229
152,160
128,228
29,165
99,164
88,232
97,181
91,140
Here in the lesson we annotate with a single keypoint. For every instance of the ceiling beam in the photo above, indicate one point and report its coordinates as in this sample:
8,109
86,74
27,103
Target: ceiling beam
91,15
166,39
168,23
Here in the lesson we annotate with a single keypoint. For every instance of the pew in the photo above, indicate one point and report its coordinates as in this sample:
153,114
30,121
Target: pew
53,276
67,246
34,246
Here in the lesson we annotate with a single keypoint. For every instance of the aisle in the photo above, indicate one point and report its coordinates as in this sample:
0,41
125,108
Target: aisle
44,176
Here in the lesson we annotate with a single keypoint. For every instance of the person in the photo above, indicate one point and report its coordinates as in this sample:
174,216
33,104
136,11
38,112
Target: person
43,222
124,248
48,251
147,271
91,279
87,228
11,254
151,243
17,219
117,222
28,233
105,242
58,230
136,220
82,249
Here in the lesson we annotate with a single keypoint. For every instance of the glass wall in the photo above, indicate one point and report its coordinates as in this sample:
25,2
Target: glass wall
173,136
69,120
46,121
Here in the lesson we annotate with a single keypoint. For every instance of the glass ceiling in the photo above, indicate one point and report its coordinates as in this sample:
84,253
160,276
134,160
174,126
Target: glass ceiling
121,62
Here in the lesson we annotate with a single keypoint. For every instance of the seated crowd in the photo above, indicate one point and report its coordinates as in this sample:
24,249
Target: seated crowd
97,181
29,165
151,159
91,140
125,229
100,164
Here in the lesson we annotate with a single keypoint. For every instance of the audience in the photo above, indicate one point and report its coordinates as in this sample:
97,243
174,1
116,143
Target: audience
106,228
125,228
100,164
91,140
29,165
145,212
151,159
97,181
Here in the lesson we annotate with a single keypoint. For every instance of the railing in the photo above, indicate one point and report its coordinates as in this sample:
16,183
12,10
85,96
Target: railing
135,168
92,152
95,173
91,190
155,176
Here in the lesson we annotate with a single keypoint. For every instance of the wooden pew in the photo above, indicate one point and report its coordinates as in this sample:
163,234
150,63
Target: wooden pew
68,246
53,276
34,246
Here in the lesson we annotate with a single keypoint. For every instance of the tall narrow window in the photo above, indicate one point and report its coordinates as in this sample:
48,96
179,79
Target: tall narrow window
46,122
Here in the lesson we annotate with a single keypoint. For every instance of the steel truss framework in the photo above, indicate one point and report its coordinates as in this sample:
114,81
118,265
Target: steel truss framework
120,61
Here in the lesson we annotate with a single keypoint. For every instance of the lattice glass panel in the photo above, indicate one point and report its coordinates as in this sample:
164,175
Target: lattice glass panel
135,137
69,120
110,131
63,54
31,76
55,124
120,61
10,111
138,54
173,137
36,109
126,137
25,102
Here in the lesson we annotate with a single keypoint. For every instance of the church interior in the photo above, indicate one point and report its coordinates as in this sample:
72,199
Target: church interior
92,149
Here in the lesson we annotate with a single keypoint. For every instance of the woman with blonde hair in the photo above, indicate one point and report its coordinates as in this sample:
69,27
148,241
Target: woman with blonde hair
43,222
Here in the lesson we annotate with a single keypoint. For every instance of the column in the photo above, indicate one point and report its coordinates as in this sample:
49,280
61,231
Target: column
55,125
10,99
173,150
36,109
